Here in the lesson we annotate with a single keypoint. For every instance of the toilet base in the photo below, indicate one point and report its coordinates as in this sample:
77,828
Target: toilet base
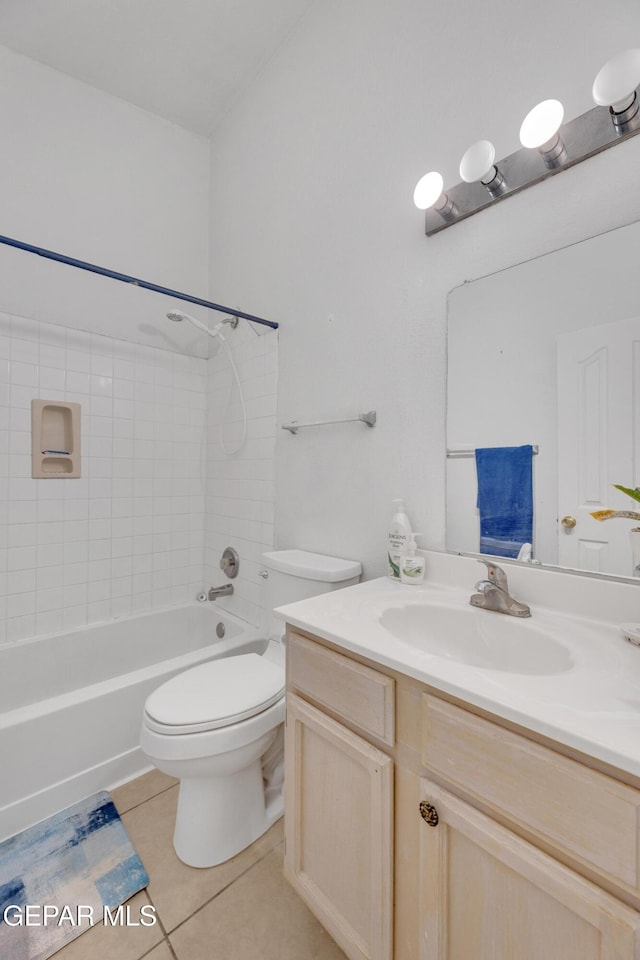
217,817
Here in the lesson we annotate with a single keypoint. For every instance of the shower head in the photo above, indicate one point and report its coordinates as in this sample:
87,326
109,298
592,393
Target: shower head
177,316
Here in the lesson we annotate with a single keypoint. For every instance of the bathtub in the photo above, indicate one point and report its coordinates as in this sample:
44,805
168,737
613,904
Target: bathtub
72,704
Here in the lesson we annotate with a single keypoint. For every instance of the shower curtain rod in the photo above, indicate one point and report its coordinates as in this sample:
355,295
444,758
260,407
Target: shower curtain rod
114,275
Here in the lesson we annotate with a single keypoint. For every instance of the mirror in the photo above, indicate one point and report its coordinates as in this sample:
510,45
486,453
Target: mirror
547,353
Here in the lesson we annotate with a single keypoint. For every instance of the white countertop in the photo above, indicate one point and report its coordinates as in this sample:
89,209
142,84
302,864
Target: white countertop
592,704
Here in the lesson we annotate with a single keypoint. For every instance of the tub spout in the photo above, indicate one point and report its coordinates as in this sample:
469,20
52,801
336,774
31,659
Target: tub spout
224,591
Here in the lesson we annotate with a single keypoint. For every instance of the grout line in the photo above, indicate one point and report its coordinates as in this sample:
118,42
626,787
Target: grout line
230,884
165,940
147,799
162,928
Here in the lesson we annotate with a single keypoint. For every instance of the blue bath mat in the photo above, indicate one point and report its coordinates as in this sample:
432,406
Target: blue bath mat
62,876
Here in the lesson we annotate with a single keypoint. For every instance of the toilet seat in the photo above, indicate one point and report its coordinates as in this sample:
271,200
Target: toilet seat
215,694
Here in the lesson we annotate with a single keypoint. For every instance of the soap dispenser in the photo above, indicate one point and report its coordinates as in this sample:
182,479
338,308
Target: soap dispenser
399,533
412,564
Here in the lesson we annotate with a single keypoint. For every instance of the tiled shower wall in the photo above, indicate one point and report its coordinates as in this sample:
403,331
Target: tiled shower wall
126,537
240,486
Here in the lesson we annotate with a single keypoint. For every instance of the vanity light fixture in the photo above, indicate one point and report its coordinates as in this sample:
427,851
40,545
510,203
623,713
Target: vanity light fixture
478,164
539,131
615,87
429,194
550,145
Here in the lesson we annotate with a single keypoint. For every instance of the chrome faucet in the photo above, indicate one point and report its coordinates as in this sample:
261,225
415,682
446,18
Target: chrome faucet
224,591
493,593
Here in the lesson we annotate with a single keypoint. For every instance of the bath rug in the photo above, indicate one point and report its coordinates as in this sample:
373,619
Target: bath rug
62,876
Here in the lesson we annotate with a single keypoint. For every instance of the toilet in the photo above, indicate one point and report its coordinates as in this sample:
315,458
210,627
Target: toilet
219,727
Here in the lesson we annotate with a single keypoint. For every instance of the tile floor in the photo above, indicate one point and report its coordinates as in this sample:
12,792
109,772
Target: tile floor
242,910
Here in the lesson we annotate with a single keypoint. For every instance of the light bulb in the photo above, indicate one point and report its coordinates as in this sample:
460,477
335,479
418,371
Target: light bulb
616,83
615,87
478,164
539,131
429,193
541,124
428,190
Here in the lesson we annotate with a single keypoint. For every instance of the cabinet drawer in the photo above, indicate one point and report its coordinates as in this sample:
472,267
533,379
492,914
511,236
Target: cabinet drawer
590,816
356,693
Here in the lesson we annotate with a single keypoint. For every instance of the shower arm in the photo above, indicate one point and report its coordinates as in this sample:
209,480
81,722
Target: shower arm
136,282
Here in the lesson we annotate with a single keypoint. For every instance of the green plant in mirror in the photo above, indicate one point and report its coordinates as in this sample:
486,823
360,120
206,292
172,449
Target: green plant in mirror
634,493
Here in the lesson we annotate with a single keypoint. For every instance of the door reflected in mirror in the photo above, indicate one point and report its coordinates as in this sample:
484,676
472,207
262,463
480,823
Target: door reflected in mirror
547,354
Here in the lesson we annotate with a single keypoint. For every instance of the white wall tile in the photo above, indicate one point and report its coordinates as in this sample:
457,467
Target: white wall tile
131,534
82,551
20,628
48,622
240,491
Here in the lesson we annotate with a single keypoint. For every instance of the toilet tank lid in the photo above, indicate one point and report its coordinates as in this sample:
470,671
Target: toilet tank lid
312,566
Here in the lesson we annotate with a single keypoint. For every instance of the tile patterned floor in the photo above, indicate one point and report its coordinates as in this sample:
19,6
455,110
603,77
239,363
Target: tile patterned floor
242,910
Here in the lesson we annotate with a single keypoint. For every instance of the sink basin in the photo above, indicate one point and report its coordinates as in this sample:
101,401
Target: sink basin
480,638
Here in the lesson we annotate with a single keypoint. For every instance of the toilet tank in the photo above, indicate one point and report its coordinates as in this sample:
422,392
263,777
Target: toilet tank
297,575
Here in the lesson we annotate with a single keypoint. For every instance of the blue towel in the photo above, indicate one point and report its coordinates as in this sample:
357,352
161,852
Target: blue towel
505,499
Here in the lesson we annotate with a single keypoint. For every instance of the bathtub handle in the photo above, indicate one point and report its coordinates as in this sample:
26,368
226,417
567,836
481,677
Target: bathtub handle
230,562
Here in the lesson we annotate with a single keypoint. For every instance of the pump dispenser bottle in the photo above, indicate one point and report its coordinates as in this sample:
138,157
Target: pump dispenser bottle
399,533
412,564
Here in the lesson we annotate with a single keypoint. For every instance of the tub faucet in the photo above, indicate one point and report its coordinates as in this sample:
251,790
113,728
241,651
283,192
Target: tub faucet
493,593
224,591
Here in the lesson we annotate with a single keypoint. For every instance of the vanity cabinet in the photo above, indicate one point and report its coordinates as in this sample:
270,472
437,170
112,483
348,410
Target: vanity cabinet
506,846
339,797
490,895
583,815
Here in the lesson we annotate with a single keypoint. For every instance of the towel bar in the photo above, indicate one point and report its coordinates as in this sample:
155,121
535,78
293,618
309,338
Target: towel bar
368,418
471,452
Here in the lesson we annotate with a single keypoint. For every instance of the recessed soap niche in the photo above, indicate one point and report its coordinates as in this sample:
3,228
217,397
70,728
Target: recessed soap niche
55,440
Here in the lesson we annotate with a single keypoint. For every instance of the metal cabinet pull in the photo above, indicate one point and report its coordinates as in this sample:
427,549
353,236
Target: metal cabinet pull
429,813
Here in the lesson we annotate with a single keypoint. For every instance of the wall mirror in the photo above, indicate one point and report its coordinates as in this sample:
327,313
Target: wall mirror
547,353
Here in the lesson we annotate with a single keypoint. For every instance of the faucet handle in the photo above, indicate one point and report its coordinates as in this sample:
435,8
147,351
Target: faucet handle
495,574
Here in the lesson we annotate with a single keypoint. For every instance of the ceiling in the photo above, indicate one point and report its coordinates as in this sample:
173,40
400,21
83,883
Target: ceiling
185,60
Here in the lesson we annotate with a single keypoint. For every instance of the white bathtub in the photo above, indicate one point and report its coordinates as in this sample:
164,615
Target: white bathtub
72,704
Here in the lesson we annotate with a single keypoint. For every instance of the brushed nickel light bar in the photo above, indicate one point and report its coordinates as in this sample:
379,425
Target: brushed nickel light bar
549,146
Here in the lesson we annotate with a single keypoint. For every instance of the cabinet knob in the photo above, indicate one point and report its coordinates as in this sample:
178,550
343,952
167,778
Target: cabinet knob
429,813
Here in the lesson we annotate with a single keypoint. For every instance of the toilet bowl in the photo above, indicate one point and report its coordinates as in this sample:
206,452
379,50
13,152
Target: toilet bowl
211,727
219,727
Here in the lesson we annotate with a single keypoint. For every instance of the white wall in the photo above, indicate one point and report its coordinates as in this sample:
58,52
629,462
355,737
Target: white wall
312,222
92,177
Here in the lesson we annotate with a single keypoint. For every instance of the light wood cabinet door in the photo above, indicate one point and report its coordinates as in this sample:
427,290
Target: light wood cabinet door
581,812
338,830
486,894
